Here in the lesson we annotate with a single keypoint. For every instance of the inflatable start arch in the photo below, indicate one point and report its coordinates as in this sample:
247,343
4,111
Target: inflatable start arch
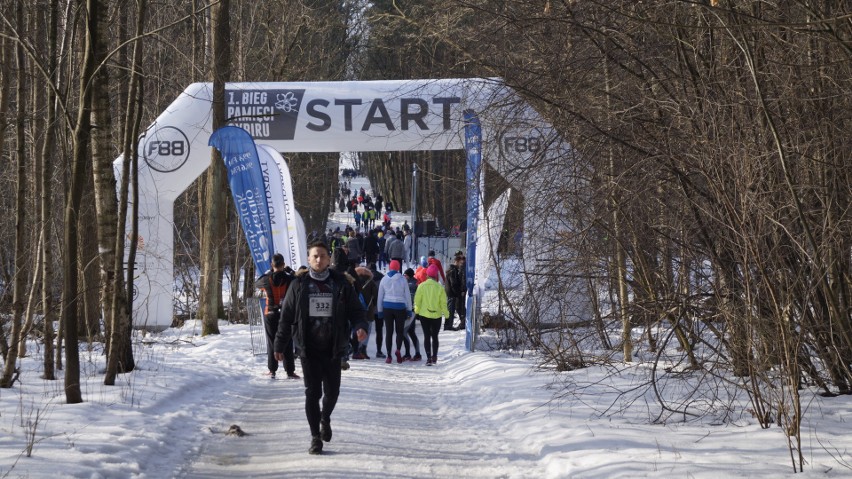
342,117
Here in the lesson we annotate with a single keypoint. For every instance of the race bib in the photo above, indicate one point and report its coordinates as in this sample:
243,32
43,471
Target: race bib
319,306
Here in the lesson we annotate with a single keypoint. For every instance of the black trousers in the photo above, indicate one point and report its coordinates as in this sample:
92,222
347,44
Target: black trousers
322,382
380,325
271,327
430,335
455,304
394,321
411,333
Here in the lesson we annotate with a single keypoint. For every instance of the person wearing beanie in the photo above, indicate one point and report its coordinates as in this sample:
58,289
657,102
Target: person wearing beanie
433,260
394,306
430,305
433,272
410,272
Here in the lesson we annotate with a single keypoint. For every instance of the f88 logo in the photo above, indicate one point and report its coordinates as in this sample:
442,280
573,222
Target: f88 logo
165,149
521,144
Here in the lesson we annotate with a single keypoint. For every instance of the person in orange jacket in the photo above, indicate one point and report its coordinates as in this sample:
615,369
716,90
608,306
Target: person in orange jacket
420,273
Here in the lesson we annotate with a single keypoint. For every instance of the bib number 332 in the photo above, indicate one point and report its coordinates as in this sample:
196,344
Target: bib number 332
320,307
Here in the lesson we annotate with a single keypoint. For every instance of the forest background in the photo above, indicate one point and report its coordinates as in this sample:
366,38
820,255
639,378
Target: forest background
709,192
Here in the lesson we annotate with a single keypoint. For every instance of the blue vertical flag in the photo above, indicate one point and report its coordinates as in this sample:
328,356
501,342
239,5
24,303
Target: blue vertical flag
246,179
473,148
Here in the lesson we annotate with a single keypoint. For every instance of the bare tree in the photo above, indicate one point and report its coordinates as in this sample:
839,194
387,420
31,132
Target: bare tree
213,237
20,279
111,217
43,175
82,137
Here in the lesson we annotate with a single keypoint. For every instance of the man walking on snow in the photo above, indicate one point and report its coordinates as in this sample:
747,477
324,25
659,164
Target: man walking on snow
318,313
456,288
275,284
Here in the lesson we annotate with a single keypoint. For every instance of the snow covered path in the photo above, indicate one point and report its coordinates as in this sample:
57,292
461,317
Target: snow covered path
392,420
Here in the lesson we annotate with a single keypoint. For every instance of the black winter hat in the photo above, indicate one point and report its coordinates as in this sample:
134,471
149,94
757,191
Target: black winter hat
339,259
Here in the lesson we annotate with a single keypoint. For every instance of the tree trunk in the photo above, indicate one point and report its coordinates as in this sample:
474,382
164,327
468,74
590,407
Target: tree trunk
120,352
5,87
20,278
214,222
90,310
29,312
38,129
82,131
107,219
620,267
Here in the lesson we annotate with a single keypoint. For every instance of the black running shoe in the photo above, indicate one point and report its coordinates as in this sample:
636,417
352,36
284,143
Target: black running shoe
325,431
316,445
380,354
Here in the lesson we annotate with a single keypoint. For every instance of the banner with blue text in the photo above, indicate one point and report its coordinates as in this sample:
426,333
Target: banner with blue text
473,148
246,179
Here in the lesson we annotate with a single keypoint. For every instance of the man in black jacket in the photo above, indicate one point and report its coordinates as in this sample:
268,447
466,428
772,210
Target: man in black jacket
274,283
456,287
318,313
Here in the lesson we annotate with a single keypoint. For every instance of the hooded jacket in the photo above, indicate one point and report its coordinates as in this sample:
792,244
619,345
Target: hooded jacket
393,293
346,312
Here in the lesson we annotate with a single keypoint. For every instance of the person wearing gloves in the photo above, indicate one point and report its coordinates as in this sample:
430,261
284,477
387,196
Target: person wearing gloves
430,305
394,306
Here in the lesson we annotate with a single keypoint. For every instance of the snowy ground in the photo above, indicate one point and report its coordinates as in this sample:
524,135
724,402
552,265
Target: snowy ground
473,415
480,415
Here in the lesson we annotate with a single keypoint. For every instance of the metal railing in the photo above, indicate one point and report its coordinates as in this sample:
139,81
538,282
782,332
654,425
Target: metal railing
473,321
257,329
